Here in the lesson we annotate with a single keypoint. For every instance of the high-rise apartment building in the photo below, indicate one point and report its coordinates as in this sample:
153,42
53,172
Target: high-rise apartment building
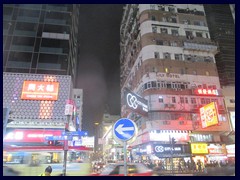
221,23
168,58
222,30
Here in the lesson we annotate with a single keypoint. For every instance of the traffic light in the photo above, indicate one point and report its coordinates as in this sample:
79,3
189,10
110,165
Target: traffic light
50,143
173,141
54,143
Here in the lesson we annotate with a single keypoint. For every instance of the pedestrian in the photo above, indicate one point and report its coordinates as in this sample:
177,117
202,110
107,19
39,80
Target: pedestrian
180,166
47,171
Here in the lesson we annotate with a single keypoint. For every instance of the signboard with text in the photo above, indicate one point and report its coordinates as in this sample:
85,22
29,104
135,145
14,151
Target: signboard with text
40,90
199,148
209,115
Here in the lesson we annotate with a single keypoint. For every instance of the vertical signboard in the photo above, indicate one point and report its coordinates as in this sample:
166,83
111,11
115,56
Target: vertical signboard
135,103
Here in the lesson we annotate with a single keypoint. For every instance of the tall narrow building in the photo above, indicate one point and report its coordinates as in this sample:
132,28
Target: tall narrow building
168,58
40,49
221,23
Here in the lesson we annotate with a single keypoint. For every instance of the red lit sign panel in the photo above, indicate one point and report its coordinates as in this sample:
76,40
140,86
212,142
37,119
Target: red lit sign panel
212,92
30,135
40,90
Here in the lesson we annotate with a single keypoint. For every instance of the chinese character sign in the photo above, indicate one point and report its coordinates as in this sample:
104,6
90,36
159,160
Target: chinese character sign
199,148
209,115
40,90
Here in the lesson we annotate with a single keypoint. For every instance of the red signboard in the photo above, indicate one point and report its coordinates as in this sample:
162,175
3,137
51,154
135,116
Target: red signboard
40,90
211,92
30,135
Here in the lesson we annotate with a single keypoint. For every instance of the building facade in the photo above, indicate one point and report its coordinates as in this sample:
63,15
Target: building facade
168,58
221,21
40,48
40,38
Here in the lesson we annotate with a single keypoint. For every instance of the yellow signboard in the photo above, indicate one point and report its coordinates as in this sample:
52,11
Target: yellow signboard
209,115
199,148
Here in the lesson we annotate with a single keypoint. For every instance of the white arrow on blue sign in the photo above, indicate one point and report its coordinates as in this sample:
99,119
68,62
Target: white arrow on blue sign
124,129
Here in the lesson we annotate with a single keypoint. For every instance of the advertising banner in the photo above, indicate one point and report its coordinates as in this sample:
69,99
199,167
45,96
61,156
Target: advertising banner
209,115
40,90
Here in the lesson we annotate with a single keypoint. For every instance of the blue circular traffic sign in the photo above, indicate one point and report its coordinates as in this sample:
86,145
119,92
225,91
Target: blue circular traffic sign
124,129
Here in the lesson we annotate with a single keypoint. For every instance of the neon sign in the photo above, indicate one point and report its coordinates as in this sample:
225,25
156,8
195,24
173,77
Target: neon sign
209,115
40,90
213,92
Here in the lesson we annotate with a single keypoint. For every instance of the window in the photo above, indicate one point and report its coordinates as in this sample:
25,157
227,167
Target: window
160,99
173,99
154,84
153,18
186,22
156,55
171,9
178,56
193,100
186,100
166,55
232,100
169,86
181,99
207,101
189,35
164,30
159,42
203,101
152,6
199,34
174,32
154,29
161,8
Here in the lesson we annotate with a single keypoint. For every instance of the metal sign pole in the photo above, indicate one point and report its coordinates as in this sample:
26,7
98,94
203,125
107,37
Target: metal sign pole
171,144
124,130
125,157
65,148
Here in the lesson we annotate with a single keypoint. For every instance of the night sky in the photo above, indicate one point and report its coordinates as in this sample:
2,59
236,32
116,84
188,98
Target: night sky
98,61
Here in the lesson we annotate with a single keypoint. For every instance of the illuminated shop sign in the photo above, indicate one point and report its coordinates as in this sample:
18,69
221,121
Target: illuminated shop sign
167,148
136,103
209,115
30,135
217,149
40,90
199,148
208,92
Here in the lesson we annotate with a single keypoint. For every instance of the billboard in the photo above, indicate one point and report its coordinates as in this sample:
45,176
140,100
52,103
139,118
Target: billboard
135,103
40,90
209,115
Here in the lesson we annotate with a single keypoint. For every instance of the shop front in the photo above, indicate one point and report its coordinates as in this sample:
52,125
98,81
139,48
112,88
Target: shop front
178,153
